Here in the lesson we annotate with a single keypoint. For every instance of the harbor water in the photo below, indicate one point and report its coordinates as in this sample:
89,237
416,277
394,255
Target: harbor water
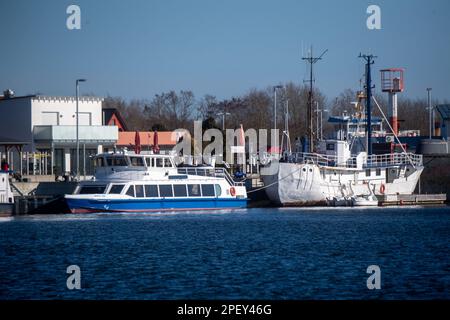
270,253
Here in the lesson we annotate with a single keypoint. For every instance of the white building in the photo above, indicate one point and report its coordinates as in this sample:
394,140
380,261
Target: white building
45,129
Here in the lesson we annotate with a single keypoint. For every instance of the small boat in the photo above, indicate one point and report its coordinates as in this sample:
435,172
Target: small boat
369,200
365,201
6,196
130,182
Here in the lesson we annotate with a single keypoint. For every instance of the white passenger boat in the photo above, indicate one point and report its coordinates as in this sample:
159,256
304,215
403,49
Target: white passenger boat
129,182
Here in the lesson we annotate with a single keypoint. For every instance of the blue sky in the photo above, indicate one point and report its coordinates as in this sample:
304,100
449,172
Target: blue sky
136,49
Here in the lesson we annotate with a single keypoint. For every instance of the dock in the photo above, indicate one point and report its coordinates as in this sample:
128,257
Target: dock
413,199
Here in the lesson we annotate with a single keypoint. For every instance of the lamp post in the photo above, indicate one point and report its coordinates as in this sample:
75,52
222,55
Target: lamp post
430,111
76,116
223,114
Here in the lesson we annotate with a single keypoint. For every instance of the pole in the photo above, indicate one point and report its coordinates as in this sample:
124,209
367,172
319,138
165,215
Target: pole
429,111
310,123
369,62
317,119
275,109
78,141
77,129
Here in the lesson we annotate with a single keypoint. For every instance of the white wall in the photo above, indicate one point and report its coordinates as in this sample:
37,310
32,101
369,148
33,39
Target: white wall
90,109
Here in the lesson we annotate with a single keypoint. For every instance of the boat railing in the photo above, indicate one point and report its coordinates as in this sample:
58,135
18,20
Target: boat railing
379,160
210,172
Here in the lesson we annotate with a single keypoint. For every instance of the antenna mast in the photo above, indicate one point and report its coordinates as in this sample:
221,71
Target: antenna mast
310,114
368,87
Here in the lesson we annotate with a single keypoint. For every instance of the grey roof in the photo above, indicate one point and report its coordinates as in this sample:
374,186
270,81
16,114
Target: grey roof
444,110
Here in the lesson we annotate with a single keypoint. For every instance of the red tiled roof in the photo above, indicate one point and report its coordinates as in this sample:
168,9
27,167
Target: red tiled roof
126,138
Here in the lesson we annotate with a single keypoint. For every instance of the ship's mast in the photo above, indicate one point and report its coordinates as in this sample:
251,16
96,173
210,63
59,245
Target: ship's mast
369,87
310,125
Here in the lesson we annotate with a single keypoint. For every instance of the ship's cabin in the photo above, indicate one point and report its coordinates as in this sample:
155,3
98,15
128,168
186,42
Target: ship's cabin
134,161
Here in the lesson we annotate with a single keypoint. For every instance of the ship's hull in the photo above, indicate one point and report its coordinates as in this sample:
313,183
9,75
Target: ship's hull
6,209
82,205
294,184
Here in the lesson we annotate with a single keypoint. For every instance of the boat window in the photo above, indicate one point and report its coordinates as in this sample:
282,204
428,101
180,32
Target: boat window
208,190
130,191
139,188
137,161
165,190
116,188
159,162
149,162
218,190
194,190
330,146
167,163
116,161
179,190
151,191
368,173
99,162
378,172
92,189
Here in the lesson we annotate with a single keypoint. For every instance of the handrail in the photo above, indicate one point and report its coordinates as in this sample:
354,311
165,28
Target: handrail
209,172
389,159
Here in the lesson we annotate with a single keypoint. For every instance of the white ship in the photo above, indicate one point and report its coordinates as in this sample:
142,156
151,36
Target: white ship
344,171
6,195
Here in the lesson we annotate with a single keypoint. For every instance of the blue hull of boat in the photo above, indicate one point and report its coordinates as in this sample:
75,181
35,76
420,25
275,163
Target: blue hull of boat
152,205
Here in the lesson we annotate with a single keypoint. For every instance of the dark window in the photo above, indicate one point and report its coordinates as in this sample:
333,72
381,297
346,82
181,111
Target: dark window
109,161
165,190
330,146
167,163
92,189
130,191
378,172
159,162
116,188
119,161
100,162
218,190
139,188
151,191
137,161
208,190
368,173
179,190
149,162
194,190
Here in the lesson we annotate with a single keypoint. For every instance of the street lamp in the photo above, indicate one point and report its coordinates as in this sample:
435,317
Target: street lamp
223,114
430,111
78,141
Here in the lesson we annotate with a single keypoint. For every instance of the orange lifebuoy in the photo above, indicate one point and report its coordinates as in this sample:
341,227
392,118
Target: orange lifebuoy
232,191
382,188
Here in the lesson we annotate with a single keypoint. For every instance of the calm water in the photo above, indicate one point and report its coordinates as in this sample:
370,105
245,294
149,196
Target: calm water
255,254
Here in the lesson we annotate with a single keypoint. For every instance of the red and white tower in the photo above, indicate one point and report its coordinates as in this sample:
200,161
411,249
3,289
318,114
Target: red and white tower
392,82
